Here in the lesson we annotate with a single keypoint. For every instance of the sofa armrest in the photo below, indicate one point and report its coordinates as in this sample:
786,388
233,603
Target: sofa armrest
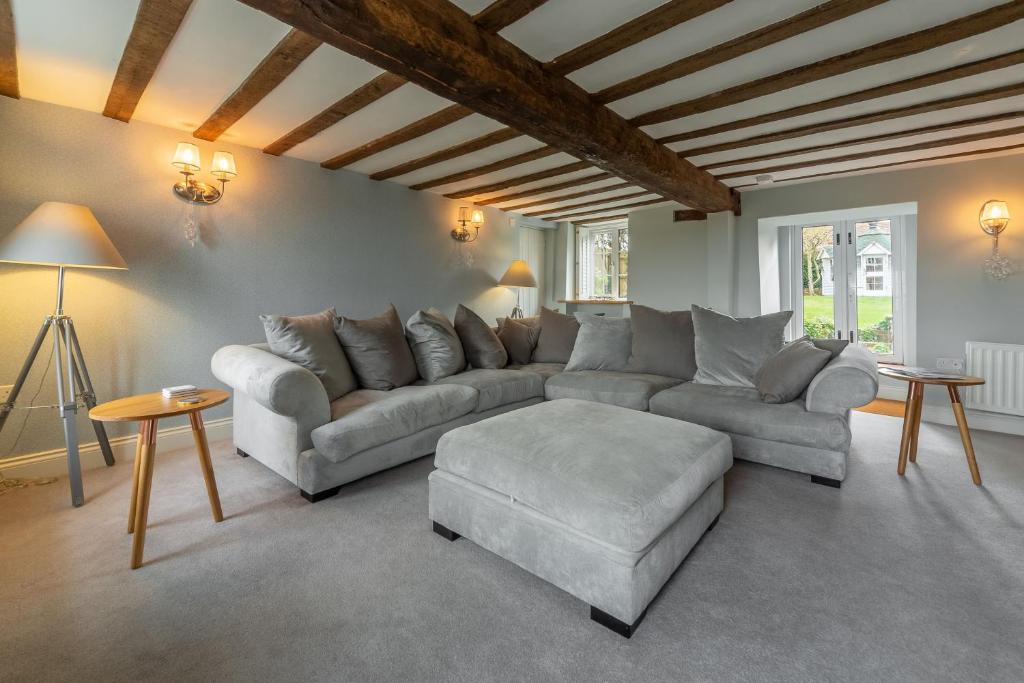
275,383
848,381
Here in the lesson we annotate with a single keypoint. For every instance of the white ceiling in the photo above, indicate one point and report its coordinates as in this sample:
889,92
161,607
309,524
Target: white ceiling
68,52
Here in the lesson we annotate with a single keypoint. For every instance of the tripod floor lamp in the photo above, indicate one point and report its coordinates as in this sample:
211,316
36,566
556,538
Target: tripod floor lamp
62,236
516,277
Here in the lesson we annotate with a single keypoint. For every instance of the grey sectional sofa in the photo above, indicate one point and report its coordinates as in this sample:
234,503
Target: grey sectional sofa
283,419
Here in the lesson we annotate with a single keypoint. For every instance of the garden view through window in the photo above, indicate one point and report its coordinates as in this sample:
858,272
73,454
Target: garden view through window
604,262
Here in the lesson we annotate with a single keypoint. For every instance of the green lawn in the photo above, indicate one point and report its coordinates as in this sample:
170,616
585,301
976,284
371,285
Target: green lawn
870,309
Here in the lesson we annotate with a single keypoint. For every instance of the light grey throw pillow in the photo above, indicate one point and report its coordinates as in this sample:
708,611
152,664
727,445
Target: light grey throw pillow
729,350
833,346
601,344
557,337
377,350
435,345
481,344
309,341
662,342
519,340
785,376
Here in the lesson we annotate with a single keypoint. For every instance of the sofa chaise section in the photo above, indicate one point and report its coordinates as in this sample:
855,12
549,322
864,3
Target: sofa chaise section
624,389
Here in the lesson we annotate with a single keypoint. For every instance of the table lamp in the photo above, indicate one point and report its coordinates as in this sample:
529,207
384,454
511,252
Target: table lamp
517,276
62,236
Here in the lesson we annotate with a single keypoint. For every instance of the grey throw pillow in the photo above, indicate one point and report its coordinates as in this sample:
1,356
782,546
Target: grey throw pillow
601,344
785,376
519,340
377,350
532,321
833,346
662,342
309,341
557,337
435,345
481,344
729,351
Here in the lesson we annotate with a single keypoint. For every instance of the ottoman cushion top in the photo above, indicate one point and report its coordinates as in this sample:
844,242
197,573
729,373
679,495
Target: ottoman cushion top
617,475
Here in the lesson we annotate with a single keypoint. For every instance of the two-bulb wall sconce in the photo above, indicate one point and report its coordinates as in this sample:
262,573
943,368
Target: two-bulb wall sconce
468,217
993,218
195,192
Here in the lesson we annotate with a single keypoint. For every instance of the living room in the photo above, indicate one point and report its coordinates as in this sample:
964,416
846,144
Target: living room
517,339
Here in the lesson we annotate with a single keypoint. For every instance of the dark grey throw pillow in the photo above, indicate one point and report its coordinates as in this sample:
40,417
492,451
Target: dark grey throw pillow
532,321
309,341
601,344
519,340
377,350
662,342
785,376
729,351
481,344
435,345
557,337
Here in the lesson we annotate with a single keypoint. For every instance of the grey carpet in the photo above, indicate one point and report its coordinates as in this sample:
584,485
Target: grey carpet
920,578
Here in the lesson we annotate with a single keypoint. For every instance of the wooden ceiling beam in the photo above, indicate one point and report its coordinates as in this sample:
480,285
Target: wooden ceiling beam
8,53
156,23
502,13
816,17
523,158
929,144
592,202
533,191
567,197
680,215
268,74
436,46
618,207
602,219
879,53
483,142
519,180
656,21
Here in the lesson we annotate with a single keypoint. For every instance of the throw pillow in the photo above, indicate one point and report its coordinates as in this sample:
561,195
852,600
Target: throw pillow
435,345
532,321
833,346
377,350
519,340
481,344
309,341
602,343
729,351
662,342
557,337
785,376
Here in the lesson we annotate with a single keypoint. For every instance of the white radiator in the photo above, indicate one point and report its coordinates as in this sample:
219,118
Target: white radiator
1002,368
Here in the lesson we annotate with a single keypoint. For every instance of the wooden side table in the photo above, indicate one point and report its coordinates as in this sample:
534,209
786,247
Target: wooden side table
147,409
912,417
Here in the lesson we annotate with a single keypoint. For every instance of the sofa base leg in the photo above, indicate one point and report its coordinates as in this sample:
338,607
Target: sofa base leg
713,524
445,532
241,453
825,481
320,495
608,621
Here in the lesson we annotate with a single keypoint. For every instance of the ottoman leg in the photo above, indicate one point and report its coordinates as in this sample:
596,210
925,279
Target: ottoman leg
320,495
445,532
241,453
608,621
825,481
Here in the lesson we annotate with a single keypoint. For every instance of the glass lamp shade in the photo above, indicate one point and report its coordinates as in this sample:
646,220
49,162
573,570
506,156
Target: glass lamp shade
477,217
994,216
59,234
518,275
186,157
223,166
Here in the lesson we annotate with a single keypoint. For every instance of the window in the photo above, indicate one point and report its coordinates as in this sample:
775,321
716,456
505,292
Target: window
603,262
873,264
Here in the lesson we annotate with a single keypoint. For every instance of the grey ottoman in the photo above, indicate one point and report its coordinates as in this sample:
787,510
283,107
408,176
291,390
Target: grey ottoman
603,502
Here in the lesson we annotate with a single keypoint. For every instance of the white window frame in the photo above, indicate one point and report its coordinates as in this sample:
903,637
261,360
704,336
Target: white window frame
584,258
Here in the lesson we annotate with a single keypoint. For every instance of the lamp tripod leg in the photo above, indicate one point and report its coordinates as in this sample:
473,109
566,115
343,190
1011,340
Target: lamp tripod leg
68,412
8,405
85,388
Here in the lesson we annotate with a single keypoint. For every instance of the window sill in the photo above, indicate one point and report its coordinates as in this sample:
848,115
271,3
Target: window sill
595,301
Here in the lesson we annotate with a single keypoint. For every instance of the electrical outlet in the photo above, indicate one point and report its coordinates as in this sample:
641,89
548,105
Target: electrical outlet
5,391
951,364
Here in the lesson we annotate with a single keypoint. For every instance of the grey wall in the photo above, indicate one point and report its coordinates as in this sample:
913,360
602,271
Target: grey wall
668,261
289,237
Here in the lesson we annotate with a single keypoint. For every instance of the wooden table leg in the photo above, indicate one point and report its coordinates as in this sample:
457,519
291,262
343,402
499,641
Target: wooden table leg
965,433
199,433
915,435
133,505
145,485
909,431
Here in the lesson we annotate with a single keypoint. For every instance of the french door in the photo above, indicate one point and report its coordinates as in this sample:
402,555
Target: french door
848,281
531,250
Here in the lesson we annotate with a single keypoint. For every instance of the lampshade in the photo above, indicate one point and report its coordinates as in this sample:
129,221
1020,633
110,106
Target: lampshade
518,275
476,216
186,157
59,234
994,216
223,166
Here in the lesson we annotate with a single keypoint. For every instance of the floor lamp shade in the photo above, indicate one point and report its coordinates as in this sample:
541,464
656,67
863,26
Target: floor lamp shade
64,235
518,275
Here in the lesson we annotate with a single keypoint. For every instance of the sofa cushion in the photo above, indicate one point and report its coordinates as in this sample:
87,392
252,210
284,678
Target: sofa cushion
784,377
518,339
740,410
662,342
378,351
499,387
366,418
625,389
619,476
557,337
482,346
601,344
309,341
730,350
435,345
545,370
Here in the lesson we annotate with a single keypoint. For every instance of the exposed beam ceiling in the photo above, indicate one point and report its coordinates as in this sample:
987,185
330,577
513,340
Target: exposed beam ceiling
680,215
8,53
602,219
438,47
588,204
502,13
575,182
268,74
453,152
618,207
567,197
520,180
888,50
523,158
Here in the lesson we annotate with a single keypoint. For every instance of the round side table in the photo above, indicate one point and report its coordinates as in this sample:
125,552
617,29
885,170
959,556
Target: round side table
912,416
147,410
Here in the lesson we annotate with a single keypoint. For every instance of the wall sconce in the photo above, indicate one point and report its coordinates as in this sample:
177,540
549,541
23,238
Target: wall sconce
994,217
186,158
467,216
